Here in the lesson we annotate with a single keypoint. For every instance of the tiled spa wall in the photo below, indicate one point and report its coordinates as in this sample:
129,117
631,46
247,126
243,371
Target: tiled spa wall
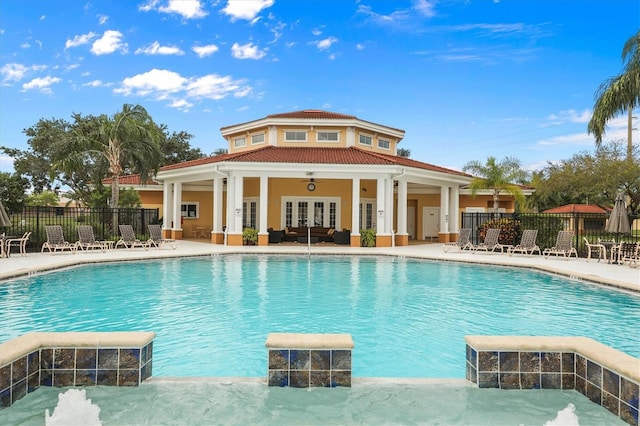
529,369
304,360
68,366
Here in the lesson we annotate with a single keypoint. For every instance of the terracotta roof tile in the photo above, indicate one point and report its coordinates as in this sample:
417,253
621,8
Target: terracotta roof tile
129,180
577,208
352,155
313,114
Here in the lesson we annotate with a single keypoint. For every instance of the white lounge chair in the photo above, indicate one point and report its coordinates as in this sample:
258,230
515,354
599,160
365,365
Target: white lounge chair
55,240
527,244
490,242
129,240
156,240
463,243
563,246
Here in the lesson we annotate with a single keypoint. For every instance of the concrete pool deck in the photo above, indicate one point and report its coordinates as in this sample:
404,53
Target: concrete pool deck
619,276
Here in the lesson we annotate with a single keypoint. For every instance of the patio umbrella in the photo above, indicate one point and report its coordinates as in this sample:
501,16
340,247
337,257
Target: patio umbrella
4,217
618,221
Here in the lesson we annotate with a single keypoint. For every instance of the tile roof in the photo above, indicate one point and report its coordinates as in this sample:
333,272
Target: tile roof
129,180
577,208
344,156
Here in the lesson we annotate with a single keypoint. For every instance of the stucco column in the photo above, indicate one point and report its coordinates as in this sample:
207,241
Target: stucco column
234,212
454,213
383,215
443,234
355,212
402,237
263,235
217,235
176,230
167,209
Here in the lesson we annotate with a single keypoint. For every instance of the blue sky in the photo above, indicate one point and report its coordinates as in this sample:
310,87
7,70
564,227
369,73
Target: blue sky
466,79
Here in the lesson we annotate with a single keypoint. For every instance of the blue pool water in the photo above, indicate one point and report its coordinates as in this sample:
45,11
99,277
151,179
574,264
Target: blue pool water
408,317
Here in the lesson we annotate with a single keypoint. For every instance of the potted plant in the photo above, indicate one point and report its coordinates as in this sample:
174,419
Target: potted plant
368,237
250,236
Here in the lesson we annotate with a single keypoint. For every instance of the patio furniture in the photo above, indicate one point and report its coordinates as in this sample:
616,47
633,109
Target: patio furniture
55,240
527,244
490,242
21,243
87,240
629,252
463,242
597,249
342,237
129,240
275,235
563,246
156,240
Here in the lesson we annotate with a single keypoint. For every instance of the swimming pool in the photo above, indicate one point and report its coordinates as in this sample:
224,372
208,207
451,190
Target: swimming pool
407,317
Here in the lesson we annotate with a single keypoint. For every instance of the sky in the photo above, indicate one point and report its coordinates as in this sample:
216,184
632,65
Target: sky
465,79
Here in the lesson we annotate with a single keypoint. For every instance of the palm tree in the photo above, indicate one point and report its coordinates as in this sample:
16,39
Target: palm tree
619,93
499,177
129,140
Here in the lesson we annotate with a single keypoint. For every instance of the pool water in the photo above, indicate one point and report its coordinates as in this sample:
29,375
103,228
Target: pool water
206,403
408,318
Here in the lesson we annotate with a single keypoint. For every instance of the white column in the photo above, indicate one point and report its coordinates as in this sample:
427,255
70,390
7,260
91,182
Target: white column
388,219
355,206
217,204
238,197
444,210
454,213
381,204
167,206
402,208
264,204
177,206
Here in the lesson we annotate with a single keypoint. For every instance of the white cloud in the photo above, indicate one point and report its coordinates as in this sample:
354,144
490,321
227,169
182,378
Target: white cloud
94,83
110,42
164,84
207,50
247,51
360,46
181,104
16,72
425,8
246,9
188,9
41,84
568,116
102,19
326,43
155,49
79,40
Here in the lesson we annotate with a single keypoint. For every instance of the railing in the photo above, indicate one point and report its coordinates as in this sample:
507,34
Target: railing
103,220
584,225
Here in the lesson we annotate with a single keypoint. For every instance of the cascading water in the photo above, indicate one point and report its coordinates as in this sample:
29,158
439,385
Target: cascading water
73,409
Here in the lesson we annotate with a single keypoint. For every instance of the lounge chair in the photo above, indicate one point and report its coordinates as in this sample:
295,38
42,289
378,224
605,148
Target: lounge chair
86,239
156,240
463,243
21,243
128,238
563,246
527,244
595,249
490,242
629,252
55,240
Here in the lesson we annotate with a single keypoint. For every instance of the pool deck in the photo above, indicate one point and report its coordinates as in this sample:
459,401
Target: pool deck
619,276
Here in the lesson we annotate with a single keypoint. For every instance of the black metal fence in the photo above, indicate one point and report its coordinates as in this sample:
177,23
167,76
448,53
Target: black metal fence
104,221
584,225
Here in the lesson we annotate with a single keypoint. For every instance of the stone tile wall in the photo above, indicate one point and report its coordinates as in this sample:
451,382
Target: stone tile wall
81,366
529,369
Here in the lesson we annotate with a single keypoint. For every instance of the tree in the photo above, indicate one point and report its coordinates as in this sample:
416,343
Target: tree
220,151
13,188
503,176
618,93
128,139
45,198
403,152
176,149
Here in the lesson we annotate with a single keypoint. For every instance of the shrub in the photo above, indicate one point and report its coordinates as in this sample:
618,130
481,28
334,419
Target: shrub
368,237
510,230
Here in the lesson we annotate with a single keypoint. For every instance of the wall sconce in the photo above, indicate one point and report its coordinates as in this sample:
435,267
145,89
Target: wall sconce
364,189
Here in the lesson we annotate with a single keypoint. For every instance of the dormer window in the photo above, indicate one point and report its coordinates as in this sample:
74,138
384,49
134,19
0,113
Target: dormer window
366,140
383,144
239,142
257,139
295,136
328,136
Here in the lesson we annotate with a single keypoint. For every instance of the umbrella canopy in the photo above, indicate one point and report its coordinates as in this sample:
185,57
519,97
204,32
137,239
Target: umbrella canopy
4,217
618,221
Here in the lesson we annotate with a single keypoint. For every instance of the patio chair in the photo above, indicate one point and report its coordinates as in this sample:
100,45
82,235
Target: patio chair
156,240
87,241
490,242
527,244
128,238
55,240
629,252
463,243
595,249
563,246
21,243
